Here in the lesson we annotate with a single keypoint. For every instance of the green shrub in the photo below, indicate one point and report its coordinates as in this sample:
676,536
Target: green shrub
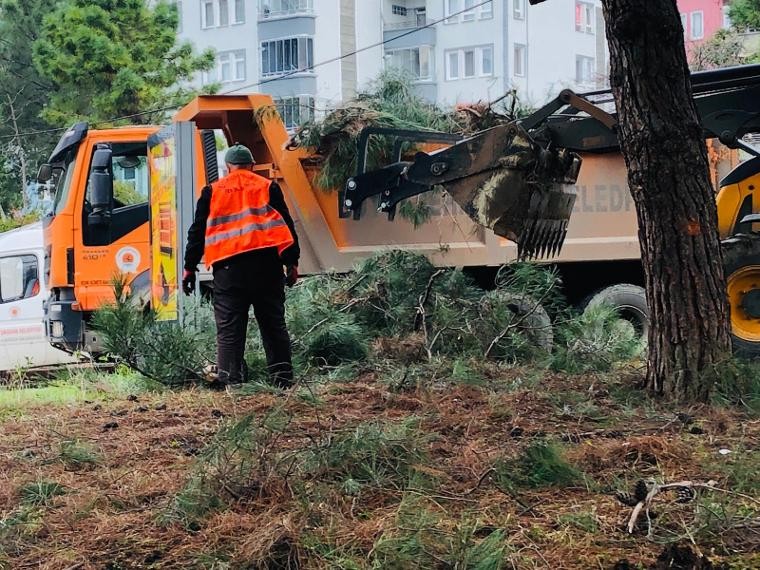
738,384
387,291
323,332
40,493
77,455
541,464
373,453
595,341
233,466
421,538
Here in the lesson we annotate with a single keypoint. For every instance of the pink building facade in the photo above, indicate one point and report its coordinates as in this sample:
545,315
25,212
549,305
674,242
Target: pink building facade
701,19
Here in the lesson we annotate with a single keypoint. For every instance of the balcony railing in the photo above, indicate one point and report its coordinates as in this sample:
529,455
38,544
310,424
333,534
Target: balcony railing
409,23
281,8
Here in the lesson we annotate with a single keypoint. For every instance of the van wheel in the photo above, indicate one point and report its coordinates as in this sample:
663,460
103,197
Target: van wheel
741,265
629,301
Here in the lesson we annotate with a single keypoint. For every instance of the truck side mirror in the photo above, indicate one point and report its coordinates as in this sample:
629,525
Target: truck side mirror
44,174
101,184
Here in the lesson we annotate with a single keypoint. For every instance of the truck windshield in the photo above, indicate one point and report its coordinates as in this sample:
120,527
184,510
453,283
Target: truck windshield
61,181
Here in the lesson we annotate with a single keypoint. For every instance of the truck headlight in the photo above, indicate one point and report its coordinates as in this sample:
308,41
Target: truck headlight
56,329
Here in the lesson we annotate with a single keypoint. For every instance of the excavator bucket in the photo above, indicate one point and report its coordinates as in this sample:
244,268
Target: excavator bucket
501,177
506,181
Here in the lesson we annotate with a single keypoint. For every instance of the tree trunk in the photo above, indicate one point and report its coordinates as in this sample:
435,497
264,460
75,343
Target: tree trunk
665,153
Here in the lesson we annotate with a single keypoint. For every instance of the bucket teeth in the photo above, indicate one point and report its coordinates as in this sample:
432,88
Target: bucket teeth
542,238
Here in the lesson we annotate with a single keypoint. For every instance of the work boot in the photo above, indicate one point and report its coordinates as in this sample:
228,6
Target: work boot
281,375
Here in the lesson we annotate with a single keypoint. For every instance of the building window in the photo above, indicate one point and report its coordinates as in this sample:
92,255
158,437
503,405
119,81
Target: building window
487,61
486,10
452,65
208,14
19,278
683,24
230,67
584,17
275,8
697,25
295,111
415,61
726,17
397,10
239,15
469,15
421,16
518,9
469,62
452,9
287,56
584,69
221,13
520,62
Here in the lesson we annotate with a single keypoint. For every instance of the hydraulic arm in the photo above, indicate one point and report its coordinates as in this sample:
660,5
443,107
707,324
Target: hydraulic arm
517,178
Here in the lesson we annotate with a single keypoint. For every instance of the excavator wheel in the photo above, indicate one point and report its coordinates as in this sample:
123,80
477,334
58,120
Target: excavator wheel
741,264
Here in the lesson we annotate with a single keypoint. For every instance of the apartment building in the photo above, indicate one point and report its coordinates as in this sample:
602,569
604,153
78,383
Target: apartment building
701,19
457,50
272,46
480,50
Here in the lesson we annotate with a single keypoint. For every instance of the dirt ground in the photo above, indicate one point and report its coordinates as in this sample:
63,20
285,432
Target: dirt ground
106,510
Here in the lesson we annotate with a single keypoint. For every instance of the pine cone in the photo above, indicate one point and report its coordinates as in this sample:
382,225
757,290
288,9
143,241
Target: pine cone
685,494
626,498
640,490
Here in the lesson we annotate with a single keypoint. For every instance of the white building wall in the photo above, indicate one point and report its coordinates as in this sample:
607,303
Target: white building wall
326,82
369,31
547,31
553,46
459,36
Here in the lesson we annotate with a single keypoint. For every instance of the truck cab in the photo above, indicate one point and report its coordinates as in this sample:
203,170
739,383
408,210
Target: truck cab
85,251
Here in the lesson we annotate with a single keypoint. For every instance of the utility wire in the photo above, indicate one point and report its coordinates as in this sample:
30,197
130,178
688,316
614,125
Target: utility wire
265,81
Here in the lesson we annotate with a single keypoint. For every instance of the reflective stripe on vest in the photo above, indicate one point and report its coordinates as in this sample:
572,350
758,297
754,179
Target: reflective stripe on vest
237,232
235,217
241,219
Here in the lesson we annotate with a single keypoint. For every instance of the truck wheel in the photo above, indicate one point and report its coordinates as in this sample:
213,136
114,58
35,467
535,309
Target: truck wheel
741,264
535,322
629,301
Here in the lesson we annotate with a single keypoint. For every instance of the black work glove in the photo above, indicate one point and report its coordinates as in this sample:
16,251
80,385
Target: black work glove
188,282
291,276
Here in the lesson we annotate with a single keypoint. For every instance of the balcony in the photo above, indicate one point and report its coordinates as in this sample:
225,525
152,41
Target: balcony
395,35
407,24
278,9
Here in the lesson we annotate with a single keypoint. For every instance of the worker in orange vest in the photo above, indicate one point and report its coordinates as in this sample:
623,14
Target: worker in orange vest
245,230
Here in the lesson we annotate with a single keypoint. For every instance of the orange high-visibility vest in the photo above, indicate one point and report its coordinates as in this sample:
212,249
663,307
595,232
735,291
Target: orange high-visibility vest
240,218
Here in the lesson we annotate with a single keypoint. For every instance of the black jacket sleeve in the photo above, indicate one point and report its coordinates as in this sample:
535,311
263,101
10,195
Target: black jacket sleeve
276,199
196,235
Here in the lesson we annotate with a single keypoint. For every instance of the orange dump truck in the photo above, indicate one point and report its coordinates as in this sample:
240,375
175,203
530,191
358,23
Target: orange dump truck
136,224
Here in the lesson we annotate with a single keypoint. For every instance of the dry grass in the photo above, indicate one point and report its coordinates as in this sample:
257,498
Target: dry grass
108,513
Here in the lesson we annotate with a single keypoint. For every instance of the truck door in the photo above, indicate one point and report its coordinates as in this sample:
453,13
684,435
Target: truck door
119,246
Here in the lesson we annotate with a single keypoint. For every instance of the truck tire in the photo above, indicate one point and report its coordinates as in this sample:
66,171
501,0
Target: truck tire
629,301
741,264
536,324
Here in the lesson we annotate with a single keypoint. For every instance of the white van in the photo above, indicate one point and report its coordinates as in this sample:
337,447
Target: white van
23,289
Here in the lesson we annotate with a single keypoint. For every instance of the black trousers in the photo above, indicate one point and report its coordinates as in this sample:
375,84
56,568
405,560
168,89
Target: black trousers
251,279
